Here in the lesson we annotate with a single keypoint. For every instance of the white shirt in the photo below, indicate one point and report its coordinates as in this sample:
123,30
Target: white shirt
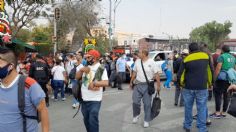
150,68
89,95
79,67
57,72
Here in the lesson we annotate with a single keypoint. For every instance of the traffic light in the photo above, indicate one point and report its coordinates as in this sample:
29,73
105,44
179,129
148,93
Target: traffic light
57,14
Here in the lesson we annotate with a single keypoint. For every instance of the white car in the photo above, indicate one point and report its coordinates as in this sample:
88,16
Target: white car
159,57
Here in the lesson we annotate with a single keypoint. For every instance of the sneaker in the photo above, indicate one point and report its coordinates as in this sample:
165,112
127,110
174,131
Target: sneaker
55,100
63,99
52,97
223,115
74,106
215,116
77,104
208,123
135,119
186,129
146,124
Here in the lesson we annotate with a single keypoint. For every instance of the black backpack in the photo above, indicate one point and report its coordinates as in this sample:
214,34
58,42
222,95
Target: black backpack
21,102
72,73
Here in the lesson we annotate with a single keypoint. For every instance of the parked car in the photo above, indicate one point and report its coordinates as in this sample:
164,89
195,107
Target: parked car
159,57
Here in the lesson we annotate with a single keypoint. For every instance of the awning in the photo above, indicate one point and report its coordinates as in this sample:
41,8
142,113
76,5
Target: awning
28,48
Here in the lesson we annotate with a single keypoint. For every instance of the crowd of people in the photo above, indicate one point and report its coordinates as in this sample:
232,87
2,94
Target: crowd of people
195,73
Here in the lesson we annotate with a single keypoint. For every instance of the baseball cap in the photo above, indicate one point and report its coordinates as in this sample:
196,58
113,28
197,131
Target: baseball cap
94,53
185,51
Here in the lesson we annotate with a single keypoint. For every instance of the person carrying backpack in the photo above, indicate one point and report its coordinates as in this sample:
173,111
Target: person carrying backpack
226,61
21,98
40,72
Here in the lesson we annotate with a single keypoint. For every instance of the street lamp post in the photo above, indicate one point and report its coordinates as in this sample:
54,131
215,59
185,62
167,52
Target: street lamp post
110,29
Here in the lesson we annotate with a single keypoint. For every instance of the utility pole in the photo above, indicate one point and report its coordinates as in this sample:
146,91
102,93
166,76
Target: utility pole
110,29
116,4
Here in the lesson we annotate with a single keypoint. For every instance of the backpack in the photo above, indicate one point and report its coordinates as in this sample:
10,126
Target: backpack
21,101
231,75
72,73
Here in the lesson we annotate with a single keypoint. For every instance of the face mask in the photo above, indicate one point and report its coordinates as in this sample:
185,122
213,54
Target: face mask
4,72
90,62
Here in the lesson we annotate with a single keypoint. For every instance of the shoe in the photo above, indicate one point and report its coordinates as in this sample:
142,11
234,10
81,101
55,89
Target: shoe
187,130
47,104
55,100
135,119
195,117
52,97
74,106
215,116
176,104
63,99
146,124
223,115
208,123
120,88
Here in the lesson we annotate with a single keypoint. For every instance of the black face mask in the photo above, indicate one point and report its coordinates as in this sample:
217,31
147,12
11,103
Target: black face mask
4,72
90,62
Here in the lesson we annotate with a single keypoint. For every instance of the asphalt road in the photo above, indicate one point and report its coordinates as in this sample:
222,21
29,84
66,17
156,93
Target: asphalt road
116,115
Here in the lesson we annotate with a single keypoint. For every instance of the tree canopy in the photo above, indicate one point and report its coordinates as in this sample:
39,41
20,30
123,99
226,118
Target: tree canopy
211,33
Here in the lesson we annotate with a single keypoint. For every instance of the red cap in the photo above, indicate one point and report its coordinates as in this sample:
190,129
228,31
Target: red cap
94,53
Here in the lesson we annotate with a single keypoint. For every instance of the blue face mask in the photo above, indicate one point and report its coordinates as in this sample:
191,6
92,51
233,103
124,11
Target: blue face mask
4,71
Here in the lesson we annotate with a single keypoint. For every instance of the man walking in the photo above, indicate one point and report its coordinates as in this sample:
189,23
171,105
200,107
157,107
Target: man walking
12,120
195,76
140,87
176,66
40,72
94,77
121,70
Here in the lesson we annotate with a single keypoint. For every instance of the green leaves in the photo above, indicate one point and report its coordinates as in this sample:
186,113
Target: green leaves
212,33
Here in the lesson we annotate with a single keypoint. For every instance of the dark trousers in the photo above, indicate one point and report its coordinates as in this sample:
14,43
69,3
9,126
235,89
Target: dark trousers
219,91
90,111
44,87
58,84
121,78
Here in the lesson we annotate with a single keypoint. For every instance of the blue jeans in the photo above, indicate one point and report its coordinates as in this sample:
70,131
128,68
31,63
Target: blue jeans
201,97
168,78
90,111
58,84
74,83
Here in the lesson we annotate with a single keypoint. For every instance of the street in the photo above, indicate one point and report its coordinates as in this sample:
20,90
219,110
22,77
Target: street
116,115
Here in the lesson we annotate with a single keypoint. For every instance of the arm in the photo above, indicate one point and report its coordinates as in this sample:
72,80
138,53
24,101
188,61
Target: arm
158,82
180,72
132,80
81,71
43,113
217,70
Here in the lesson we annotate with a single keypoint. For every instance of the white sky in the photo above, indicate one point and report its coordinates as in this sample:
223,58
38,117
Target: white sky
173,17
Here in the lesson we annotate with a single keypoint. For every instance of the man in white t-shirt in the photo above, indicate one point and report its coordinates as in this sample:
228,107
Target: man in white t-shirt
59,78
94,77
140,87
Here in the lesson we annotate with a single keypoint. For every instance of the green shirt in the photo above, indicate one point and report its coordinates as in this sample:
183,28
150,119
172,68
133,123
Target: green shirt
228,61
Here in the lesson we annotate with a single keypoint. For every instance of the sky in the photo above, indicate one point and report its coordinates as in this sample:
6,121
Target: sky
170,17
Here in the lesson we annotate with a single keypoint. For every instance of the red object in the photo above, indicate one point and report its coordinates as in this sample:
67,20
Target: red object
94,53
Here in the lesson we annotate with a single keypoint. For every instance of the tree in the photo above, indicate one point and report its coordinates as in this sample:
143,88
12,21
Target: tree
24,35
211,33
77,17
23,12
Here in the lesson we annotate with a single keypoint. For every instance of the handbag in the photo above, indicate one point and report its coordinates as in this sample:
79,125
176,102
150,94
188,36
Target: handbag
232,105
151,87
156,106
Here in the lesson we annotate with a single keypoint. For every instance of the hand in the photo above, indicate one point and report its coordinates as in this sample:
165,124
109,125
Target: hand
231,87
131,86
210,88
85,69
158,88
92,87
